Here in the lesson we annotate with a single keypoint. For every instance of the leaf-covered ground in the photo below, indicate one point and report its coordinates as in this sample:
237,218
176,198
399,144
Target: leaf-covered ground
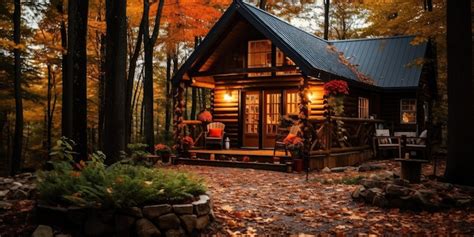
264,202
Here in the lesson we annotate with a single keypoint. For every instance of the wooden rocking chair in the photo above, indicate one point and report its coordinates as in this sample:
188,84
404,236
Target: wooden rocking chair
383,141
214,134
279,142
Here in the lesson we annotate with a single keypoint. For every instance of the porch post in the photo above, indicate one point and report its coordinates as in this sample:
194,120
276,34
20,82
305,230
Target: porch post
178,105
304,123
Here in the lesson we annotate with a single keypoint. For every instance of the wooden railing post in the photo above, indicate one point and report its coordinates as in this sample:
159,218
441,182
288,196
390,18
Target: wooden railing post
178,106
303,116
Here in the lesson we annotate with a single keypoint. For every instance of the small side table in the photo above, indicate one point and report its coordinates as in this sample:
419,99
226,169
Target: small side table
411,169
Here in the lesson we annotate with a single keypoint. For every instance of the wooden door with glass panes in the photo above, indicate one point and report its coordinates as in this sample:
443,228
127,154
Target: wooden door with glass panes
271,117
251,123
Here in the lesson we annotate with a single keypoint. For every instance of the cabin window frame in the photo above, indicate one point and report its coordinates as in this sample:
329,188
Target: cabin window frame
289,103
282,61
250,59
363,107
404,109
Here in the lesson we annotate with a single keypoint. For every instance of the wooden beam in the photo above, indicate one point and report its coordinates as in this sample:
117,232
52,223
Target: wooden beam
235,71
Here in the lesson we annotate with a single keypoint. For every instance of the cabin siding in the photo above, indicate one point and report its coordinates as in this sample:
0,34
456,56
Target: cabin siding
390,111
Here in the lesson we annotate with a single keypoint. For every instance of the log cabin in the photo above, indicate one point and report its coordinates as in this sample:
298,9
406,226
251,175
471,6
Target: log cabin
260,69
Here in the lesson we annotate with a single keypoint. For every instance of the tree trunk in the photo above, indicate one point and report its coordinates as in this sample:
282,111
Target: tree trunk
262,4
18,138
326,19
460,94
102,79
115,75
149,44
130,82
66,113
77,72
168,95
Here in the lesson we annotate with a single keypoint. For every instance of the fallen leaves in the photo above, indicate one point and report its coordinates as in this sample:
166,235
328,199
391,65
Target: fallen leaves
251,202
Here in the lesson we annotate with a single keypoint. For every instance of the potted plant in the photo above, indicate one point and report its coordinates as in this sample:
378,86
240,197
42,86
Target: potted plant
163,151
186,143
205,117
335,92
295,145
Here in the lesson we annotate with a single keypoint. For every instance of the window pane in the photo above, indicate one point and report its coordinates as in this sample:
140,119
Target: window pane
259,56
408,111
292,103
363,107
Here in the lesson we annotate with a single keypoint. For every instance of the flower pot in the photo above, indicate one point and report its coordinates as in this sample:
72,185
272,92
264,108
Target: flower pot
298,165
165,158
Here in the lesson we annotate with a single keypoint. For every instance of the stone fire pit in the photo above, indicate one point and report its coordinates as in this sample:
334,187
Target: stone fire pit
152,220
389,190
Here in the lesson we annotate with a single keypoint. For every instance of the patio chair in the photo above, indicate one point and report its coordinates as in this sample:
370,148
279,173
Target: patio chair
383,141
214,134
417,144
279,141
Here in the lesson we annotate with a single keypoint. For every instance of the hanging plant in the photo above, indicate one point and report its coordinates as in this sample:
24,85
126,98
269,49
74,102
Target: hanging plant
335,92
205,116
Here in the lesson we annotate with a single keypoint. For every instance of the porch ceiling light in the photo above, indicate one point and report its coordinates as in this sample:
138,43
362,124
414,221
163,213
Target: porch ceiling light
228,95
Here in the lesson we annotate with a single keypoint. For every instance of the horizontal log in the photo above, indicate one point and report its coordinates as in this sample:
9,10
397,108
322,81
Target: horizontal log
226,115
226,109
226,104
226,120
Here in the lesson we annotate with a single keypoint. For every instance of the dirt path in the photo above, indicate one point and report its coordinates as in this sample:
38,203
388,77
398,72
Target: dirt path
264,202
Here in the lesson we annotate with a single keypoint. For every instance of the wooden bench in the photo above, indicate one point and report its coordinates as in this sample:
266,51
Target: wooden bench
411,169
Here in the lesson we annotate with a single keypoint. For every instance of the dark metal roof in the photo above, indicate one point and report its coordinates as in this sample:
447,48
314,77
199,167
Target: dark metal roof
389,62
312,49
385,60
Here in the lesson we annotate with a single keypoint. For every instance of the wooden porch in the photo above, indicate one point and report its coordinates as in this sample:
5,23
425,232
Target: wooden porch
328,148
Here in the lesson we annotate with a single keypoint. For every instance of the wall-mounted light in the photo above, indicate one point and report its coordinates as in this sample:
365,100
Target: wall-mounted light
310,95
228,95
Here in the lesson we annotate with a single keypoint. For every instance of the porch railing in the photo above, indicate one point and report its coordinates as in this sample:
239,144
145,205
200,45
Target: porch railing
329,134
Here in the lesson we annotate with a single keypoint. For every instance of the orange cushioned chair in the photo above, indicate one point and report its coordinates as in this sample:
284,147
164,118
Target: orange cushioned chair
215,134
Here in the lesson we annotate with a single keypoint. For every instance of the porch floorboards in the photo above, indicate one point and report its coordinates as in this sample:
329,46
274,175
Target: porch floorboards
240,152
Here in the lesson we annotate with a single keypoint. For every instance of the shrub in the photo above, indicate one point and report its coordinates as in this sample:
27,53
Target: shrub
91,184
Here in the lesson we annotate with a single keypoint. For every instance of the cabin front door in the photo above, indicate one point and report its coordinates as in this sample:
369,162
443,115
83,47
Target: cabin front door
262,111
271,117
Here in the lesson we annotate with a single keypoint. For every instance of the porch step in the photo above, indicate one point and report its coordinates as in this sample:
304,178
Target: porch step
233,164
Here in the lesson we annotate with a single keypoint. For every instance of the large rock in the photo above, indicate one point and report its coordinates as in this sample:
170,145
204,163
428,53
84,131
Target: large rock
371,193
145,228
396,190
326,170
4,193
175,233
189,222
380,201
339,169
43,231
370,167
202,206
124,224
168,221
95,227
401,182
18,194
154,211
5,205
183,209
373,183
356,194
202,222
132,211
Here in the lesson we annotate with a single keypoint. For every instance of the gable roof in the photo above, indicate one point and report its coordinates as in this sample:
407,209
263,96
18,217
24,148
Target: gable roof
389,62
384,60
310,48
